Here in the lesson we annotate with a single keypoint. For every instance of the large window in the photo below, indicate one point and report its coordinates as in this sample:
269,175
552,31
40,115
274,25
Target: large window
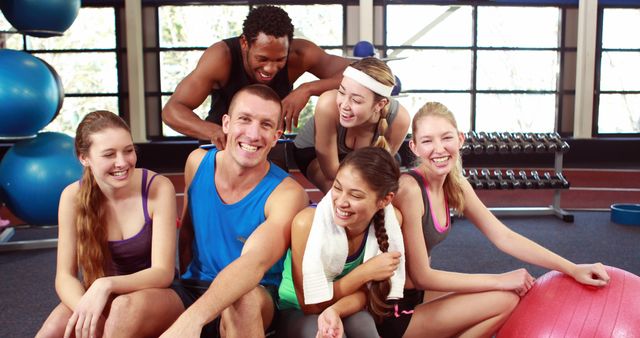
86,61
497,68
618,108
186,31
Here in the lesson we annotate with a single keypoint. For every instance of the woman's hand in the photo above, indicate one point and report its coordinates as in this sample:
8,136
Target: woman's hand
590,274
382,266
87,319
518,281
329,324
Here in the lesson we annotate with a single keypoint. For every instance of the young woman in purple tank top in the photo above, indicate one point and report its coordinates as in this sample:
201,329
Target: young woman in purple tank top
117,231
467,305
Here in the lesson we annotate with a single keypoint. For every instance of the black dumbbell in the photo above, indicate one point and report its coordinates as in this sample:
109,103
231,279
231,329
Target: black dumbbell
488,181
502,183
476,145
538,182
551,146
538,146
563,181
489,147
474,180
466,146
551,181
527,184
513,145
515,183
526,146
563,146
495,138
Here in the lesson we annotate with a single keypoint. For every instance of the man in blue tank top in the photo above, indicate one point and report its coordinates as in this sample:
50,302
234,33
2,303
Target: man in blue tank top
236,224
266,53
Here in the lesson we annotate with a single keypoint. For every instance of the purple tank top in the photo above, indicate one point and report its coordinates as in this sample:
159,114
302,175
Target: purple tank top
134,254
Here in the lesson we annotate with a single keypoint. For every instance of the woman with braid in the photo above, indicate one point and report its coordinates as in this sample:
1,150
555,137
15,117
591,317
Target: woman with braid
117,228
346,254
358,114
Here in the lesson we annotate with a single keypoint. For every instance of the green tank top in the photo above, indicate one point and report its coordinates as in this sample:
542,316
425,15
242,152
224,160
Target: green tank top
287,291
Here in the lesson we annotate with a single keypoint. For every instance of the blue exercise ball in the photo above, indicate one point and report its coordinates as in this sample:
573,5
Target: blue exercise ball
41,18
397,88
33,174
364,49
30,94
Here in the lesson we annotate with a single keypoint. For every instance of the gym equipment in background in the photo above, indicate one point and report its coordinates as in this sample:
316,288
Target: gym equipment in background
41,18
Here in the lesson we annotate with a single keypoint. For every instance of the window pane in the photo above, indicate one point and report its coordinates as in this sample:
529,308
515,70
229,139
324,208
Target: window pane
175,66
619,113
418,25
617,28
518,26
201,111
434,69
517,70
9,40
325,27
458,104
199,26
620,71
516,112
93,28
75,108
85,72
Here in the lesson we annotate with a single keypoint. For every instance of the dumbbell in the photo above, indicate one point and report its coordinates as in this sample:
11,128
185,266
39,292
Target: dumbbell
488,181
554,183
538,182
563,181
474,180
466,146
494,138
563,146
551,146
515,183
526,146
489,147
476,145
513,145
538,146
525,179
502,183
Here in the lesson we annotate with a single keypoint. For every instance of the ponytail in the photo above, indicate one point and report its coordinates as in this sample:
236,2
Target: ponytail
379,290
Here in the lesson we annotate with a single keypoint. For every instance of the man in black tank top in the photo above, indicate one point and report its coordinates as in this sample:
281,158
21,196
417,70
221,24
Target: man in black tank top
266,53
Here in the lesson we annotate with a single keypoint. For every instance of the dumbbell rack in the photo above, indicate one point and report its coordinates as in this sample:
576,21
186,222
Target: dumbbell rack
553,209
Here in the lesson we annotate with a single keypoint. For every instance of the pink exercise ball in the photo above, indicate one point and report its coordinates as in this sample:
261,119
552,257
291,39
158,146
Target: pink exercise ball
558,306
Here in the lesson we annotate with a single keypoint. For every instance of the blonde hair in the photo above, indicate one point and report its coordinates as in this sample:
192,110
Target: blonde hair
92,244
454,179
379,71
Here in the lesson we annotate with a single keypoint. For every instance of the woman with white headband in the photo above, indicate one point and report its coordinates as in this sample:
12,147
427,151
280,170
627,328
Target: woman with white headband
358,114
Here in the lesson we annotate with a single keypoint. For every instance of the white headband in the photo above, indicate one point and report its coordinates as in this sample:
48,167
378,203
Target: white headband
368,81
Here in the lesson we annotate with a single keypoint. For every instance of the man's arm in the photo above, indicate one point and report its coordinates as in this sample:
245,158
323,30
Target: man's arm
262,249
212,70
308,57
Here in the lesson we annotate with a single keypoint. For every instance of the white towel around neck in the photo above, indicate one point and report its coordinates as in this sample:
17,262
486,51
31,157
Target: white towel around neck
327,249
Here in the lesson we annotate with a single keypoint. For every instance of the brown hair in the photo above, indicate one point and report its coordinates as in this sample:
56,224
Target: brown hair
379,71
380,170
262,91
93,251
453,181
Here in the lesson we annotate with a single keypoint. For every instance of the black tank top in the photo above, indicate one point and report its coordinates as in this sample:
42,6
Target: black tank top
432,236
238,78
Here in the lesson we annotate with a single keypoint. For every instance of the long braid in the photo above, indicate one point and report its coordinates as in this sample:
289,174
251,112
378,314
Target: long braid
383,125
379,290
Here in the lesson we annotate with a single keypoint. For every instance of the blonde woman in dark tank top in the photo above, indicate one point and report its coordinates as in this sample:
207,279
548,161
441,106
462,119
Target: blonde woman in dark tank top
117,234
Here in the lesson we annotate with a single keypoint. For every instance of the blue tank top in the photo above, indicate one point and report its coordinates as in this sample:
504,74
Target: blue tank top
134,253
220,229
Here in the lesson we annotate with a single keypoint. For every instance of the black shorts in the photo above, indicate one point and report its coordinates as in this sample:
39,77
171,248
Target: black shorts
303,157
396,325
189,290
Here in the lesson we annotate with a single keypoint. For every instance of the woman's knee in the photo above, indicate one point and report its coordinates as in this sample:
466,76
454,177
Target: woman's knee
506,302
56,323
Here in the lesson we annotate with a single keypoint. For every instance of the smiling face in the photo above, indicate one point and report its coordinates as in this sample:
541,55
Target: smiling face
354,202
251,128
357,104
437,142
265,57
111,157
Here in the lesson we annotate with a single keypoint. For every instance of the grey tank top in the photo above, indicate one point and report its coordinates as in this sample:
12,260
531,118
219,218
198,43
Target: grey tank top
306,137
